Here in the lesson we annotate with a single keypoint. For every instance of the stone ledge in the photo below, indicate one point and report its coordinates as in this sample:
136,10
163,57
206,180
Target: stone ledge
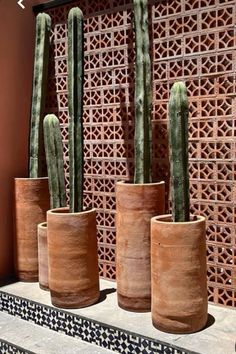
110,327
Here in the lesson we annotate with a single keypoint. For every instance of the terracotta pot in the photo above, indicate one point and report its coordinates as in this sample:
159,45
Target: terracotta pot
179,283
31,204
73,258
43,256
136,204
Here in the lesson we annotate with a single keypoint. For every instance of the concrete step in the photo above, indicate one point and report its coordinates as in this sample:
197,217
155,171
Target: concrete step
106,325
23,337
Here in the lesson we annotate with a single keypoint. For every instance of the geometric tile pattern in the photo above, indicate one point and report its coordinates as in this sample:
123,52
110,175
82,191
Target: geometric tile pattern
9,348
88,330
193,41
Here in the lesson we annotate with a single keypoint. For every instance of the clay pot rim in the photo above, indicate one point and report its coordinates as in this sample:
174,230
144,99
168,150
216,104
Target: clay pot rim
43,225
60,212
167,220
128,183
29,178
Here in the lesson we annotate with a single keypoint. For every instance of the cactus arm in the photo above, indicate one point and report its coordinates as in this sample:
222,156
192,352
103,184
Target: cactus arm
142,94
54,158
43,27
178,143
75,95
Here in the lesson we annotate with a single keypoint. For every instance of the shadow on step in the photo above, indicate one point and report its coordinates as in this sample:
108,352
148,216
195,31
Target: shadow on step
7,281
210,321
105,292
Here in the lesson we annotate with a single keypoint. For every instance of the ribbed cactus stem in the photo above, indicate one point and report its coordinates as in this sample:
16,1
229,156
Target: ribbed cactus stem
75,97
178,143
143,97
43,27
54,158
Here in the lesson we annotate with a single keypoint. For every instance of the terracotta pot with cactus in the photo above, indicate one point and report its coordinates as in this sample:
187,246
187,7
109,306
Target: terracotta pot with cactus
31,194
138,201
72,238
178,242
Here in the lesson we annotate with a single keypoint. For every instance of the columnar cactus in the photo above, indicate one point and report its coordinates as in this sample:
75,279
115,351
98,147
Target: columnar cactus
75,97
54,157
43,27
178,143
143,97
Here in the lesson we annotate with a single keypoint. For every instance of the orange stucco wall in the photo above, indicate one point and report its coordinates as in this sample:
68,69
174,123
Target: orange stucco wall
17,31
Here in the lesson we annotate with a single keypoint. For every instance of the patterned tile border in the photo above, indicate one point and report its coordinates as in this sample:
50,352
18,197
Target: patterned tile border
9,348
88,330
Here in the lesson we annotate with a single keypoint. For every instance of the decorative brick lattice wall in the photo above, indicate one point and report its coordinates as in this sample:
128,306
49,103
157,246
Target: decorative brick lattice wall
192,40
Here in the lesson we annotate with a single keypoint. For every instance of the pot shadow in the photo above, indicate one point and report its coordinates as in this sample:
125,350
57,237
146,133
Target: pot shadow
8,281
210,321
104,293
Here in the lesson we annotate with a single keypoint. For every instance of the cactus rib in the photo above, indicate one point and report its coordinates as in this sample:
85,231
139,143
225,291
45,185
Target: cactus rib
178,143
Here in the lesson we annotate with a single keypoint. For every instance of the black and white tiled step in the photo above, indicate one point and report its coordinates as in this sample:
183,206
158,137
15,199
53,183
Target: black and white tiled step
10,348
83,329
109,328
29,338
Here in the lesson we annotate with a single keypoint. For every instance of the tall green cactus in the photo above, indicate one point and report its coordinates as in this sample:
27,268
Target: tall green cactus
178,143
54,157
75,97
143,97
43,27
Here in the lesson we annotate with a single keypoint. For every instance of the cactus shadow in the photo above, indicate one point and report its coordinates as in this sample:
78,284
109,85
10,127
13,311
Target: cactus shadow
127,107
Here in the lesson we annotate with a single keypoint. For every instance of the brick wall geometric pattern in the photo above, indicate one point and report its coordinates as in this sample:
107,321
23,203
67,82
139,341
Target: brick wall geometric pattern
194,41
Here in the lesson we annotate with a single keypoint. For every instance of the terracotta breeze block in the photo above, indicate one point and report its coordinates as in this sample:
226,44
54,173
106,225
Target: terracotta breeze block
192,41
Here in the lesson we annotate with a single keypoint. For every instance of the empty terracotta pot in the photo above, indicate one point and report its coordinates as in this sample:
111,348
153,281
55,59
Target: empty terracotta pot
31,204
179,282
43,256
73,258
136,204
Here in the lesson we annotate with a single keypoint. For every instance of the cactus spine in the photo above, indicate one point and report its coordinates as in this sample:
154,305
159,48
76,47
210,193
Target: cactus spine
75,96
178,143
54,157
143,97
43,27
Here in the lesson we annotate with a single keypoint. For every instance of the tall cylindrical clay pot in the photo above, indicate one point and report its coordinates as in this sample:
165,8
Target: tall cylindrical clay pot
178,267
43,256
31,204
73,258
136,204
